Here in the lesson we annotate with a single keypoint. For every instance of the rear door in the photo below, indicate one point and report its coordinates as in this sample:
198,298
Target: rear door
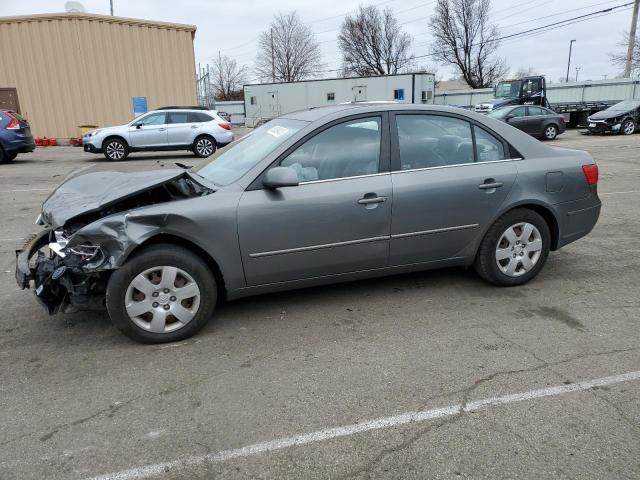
449,180
179,129
149,131
337,220
538,117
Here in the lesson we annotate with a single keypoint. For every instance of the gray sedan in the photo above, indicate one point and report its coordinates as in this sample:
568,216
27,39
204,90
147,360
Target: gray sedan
317,196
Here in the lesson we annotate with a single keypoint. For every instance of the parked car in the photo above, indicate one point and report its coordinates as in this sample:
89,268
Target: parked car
317,196
537,121
623,118
172,128
226,116
15,136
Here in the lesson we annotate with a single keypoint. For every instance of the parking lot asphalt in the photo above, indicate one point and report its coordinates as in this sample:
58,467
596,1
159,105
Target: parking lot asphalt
316,383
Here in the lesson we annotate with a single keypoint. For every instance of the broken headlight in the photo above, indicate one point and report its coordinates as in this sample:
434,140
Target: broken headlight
86,256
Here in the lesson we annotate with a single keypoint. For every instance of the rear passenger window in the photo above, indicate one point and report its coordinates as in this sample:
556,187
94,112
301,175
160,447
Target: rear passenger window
433,141
488,147
535,111
178,117
345,150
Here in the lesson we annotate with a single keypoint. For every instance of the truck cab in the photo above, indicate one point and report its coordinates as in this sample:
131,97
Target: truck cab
523,91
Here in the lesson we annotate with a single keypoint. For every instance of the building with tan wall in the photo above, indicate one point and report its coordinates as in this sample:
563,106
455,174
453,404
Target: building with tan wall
65,70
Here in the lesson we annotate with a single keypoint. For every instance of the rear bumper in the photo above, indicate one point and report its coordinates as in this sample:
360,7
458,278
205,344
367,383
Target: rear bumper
577,219
25,144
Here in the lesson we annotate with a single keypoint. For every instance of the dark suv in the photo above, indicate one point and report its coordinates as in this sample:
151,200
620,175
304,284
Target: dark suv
15,136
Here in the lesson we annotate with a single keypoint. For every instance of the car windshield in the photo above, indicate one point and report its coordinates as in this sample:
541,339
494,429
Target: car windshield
508,89
499,113
624,106
232,162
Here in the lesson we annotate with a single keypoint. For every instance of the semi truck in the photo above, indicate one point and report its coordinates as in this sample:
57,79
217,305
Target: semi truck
575,101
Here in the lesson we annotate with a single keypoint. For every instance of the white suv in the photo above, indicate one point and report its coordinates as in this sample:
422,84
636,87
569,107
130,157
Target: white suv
171,128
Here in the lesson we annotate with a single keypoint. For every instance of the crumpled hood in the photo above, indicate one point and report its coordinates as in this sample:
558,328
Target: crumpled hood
91,191
605,115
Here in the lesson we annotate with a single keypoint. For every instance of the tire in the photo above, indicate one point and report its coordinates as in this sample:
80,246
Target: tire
628,127
115,149
3,156
146,271
550,132
204,146
496,258
11,157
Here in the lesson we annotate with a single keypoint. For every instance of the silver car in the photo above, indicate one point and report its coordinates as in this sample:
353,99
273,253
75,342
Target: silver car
173,128
317,196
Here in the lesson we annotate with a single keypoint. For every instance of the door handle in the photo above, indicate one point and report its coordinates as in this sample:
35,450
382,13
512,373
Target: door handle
490,184
161,129
369,200
194,126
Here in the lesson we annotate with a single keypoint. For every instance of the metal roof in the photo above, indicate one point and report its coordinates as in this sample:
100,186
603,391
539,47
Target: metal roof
101,18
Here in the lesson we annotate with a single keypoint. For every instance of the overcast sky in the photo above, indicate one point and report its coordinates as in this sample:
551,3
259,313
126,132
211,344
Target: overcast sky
232,26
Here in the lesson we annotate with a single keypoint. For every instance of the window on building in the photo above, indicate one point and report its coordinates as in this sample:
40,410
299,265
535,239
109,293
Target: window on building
398,94
331,97
253,101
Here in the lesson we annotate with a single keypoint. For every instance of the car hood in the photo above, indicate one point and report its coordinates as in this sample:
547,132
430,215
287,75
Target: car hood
499,102
93,190
607,114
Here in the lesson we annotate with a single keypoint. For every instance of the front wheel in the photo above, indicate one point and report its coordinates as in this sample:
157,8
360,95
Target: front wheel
115,149
164,293
204,146
514,249
628,127
550,132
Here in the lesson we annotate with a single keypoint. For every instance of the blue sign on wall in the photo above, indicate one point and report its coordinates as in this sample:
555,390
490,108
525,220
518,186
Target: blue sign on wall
139,105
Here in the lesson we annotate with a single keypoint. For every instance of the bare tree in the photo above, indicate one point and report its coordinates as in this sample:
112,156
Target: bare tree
288,51
227,78
465,38
620,59
524,72
372,43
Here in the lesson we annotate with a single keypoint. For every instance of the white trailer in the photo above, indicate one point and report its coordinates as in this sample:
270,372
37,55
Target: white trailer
268,100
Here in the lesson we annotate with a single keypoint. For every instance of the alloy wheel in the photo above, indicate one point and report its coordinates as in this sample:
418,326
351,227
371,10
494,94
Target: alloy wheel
162,299
204,147
550,132
628,128
115,150
519,249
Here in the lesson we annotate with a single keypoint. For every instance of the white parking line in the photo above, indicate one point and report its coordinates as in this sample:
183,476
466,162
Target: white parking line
619,193
367,426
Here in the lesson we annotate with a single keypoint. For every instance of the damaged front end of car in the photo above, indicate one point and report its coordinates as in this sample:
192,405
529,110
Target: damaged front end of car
87,235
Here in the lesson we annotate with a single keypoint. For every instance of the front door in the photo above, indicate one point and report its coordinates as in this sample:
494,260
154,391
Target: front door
336,221
444,191
149,131
520,119
274,105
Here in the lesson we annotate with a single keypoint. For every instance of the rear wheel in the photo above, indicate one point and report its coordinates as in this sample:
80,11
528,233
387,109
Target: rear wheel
164,293
550,132
628,127
115,149
514,249
3,156
204,146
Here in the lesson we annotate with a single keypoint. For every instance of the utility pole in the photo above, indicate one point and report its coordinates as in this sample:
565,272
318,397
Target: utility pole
632,39
111,7
577,71
569,61
273,63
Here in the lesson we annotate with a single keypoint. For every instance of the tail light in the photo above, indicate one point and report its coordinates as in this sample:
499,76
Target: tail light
14,124
226,126
591,173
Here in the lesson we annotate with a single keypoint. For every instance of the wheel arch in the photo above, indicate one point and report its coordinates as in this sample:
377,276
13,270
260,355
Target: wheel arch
200,135
112,136
191,246
545,212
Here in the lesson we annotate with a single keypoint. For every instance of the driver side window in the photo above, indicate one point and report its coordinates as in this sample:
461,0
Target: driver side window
348,149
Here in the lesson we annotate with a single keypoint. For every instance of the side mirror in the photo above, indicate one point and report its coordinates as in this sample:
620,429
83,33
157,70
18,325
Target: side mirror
509,117
280,177
137,125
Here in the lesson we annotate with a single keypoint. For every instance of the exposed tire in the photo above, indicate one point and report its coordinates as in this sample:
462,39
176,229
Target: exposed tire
628,127
3,156
550,132
115,149
164,293
204,146
514,249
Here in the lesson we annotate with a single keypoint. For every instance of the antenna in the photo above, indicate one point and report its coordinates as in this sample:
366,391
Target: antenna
74,7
